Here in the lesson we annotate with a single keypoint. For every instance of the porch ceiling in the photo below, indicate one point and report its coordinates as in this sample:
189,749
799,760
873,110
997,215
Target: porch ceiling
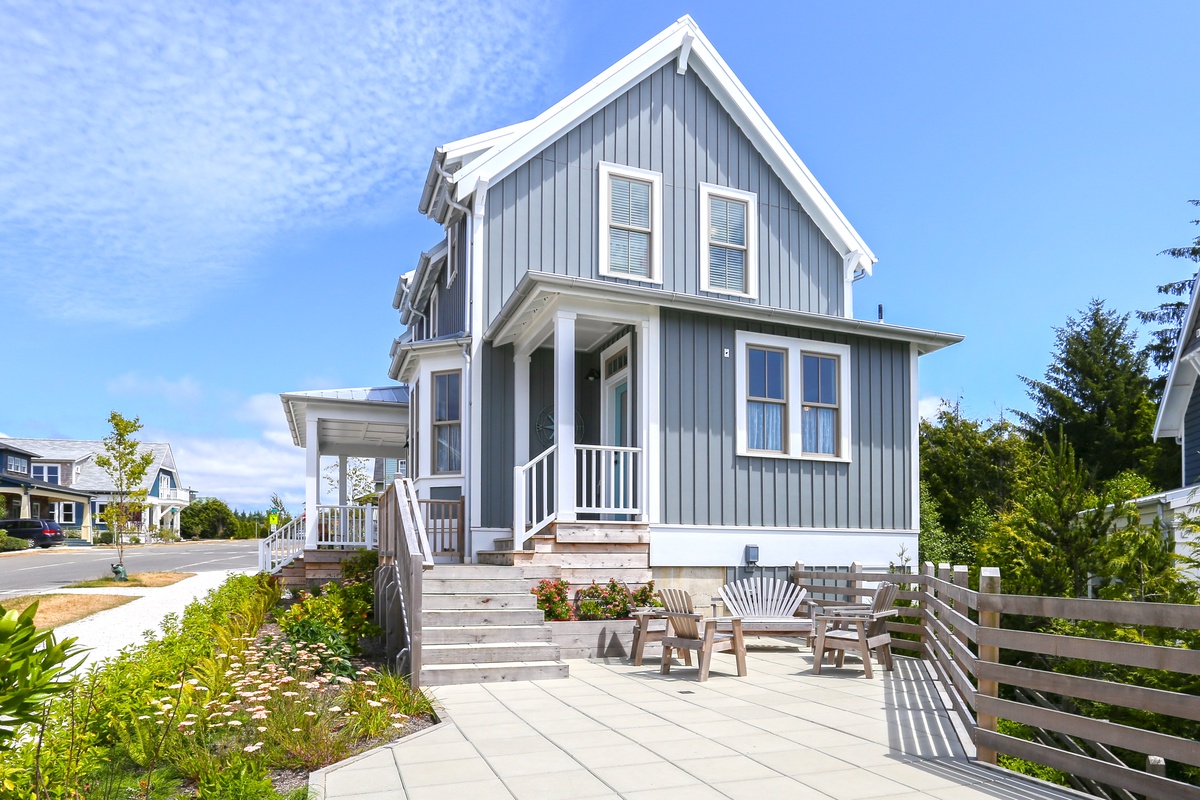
532,326
358,438
351,422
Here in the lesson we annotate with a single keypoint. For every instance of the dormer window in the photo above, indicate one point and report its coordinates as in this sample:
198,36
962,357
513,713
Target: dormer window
728,248
630,223
17,465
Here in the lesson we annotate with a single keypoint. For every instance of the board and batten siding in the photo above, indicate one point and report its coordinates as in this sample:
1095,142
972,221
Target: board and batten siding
704,482
545,215
452,296
1191,439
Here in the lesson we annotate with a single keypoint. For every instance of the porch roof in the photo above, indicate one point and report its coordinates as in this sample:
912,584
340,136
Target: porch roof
366,422
537,289
13,484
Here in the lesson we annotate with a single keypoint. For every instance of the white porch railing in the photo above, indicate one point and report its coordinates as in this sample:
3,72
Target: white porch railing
173,494
534,504
282,546
608,479
346,526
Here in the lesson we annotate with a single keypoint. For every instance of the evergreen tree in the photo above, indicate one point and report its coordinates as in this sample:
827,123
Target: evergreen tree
1096,396
1169,315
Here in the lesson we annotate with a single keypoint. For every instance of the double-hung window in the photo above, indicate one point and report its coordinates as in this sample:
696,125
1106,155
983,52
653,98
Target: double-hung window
447,422
46,472
728,247
630,223
792,397
17,465
65,512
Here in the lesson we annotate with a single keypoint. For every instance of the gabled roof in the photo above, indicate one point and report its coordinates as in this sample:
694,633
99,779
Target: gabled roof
82,452
683,41
1182,378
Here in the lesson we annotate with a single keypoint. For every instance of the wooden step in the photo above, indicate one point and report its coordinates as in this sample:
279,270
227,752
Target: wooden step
445,618
487,653
485,634
465,602
447,674
438,585
472,571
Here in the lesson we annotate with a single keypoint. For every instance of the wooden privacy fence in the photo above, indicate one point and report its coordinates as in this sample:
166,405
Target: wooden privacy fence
958,631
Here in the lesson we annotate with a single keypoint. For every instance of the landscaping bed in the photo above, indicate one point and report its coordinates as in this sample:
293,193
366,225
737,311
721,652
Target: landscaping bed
134,581
240,697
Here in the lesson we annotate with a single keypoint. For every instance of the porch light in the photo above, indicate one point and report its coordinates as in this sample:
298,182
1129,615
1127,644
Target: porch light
593,374
751,557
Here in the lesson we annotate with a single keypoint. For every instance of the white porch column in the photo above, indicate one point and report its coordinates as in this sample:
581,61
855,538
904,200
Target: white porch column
343,495
564,412
521,409
643,399
342,492
312,485
85,528
26,511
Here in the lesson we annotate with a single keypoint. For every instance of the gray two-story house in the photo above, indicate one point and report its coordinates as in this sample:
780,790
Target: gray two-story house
640,327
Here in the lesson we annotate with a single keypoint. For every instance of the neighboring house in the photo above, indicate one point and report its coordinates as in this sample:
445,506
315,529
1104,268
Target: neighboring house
386,471
40,488
649,261
72,464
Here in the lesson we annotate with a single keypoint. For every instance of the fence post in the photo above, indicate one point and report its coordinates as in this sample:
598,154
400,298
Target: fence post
989,583
961,579
855,583
370,523
926,611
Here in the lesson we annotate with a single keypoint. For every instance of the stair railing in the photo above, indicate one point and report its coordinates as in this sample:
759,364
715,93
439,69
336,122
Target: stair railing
404,555
534,502
281,548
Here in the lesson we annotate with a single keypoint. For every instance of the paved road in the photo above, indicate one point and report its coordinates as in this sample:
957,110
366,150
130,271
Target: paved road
41,570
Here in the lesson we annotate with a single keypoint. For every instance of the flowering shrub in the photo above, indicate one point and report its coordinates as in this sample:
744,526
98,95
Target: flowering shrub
552,599
344,610
645,597
611,601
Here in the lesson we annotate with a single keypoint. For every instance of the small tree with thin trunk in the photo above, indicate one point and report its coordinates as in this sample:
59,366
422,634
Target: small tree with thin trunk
127,469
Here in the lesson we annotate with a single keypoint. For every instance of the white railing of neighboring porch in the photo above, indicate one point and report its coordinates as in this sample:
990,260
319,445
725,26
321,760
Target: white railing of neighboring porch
346,526
608,479
282,546
534,503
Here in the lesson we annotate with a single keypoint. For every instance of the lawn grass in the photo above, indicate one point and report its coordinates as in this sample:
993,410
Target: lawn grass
149,580
59,609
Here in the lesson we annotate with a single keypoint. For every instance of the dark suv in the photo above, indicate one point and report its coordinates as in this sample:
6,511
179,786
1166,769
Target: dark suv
39,532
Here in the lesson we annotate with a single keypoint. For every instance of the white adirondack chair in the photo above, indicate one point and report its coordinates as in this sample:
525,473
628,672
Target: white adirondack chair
767,607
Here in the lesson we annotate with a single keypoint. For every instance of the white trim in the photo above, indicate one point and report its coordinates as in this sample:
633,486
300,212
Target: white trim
1178,391
716,546
608,171
606,383
685,50
474,262
914,442
548,126
434,304
564,413
793,438
707,192
651,365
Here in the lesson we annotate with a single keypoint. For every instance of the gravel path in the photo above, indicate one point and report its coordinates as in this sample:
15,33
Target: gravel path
108,632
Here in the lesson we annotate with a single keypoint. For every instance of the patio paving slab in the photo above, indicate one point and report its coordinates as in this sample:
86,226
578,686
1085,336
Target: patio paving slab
613,730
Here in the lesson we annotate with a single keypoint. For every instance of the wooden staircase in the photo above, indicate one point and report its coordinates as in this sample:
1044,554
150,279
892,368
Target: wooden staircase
581,553
480,624
314,567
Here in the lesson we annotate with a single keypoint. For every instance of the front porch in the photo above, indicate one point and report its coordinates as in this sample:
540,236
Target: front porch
33,499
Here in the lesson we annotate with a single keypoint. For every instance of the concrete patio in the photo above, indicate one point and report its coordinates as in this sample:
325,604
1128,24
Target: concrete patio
613,730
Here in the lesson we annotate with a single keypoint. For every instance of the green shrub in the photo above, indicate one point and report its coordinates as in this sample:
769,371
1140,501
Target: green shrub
103,537
11,544
346,609
360,567
610,601
552,599
645,597
33,669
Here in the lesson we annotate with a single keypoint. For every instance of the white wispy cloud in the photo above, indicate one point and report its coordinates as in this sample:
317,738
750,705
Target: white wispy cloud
147,140
134,384
928,407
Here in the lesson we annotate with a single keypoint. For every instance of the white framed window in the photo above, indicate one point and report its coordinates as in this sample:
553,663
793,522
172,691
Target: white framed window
18,465
631,223
447,421
65,513
46,472
402,467
729,241
99,507
792,397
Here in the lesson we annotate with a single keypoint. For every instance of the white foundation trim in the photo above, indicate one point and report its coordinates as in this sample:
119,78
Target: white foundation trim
711,546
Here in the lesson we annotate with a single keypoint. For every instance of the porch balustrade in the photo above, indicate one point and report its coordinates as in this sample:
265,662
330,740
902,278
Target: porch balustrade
608,479
534,502
346,526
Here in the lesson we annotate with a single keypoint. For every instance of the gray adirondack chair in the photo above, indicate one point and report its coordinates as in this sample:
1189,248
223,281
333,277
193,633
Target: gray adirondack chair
685,633
856,629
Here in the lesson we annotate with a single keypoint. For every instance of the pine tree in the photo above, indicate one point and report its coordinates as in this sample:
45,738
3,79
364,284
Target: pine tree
1096,396
1169,315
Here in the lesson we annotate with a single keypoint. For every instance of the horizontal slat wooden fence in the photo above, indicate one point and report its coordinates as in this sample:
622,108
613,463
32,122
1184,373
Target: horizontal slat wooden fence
958,631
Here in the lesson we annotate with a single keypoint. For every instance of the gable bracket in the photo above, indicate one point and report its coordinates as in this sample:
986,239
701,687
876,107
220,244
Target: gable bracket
685,50
856,264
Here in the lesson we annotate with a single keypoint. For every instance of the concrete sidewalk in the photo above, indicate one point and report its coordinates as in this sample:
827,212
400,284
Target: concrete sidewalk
612,730
110,631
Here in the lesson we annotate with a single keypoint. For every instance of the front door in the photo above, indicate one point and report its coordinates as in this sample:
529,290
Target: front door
616,422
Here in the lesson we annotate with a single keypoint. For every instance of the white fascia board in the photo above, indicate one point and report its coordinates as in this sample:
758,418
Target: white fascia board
421,285
709,65
1179,386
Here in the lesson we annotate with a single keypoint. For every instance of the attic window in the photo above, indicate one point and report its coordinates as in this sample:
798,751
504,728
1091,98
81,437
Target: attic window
728,250
630,223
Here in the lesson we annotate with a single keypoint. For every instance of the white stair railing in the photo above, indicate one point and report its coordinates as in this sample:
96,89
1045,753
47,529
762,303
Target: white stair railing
345,526
609,479
534,504
281,547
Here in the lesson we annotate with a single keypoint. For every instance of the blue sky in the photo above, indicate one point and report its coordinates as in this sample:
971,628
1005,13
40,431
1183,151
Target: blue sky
203,207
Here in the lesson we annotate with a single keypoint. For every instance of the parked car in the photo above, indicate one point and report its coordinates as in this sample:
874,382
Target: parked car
39,532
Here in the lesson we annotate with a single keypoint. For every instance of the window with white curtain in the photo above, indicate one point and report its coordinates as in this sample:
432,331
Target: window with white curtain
792,397
630,223
728,252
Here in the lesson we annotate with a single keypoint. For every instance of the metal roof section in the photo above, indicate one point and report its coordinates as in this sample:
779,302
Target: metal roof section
538,290
1182,378
403,349
684,42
